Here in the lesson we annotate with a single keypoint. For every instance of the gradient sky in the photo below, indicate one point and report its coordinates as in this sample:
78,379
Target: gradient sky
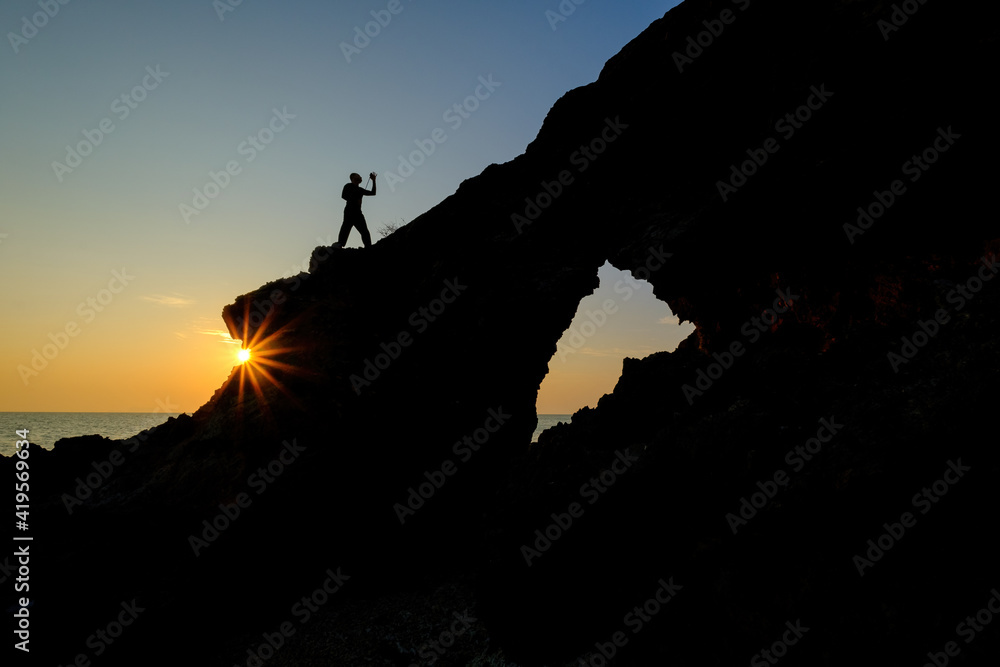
153,337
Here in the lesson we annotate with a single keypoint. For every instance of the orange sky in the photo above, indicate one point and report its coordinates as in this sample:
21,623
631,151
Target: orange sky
162,158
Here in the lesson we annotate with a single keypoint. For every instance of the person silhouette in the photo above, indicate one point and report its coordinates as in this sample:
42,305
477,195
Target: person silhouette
353,217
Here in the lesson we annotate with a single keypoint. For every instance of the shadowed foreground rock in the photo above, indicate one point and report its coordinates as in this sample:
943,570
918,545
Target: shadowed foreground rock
784,471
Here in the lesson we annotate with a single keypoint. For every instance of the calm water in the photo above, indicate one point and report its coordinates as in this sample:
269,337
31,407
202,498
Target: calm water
47,427
44,428
548,421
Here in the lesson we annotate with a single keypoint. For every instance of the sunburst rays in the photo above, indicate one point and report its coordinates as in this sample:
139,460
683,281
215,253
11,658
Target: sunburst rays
259,362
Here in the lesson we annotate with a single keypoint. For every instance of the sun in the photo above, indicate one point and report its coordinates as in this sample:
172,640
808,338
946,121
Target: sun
258,358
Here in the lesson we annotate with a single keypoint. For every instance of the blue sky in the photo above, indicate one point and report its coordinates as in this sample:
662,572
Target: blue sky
155,98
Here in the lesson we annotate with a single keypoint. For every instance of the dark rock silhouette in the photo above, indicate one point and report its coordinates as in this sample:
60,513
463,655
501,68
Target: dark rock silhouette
390,370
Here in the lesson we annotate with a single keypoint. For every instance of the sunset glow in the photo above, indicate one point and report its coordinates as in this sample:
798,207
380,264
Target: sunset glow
157,189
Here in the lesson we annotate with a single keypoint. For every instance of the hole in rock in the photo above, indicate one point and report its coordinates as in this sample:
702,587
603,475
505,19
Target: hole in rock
620,319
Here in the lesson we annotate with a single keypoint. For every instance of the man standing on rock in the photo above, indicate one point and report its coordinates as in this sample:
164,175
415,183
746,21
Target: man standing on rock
353,217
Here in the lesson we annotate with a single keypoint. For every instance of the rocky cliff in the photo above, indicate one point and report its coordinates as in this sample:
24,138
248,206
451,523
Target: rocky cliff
810,185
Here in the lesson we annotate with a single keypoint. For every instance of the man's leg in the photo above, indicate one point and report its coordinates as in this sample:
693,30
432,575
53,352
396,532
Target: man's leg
362,226
345,231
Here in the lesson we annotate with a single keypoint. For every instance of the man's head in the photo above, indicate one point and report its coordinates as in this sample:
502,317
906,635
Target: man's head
356,179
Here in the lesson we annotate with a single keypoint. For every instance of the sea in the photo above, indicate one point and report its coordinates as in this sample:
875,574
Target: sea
548,421
45,428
